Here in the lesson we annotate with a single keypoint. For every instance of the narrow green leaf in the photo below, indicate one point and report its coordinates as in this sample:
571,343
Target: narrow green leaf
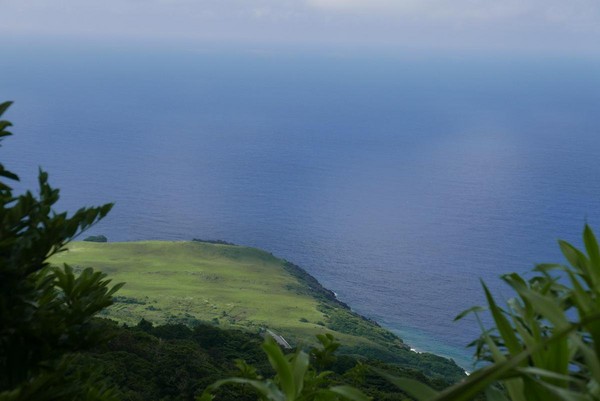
547,307
580,296
3,125
579,261
412,387
9,175
494,394
591,246
563,393
538,372
502,324
570,252
268,389
281,366
350,393
473,309
4,106
590,357
546,267
205,397
558,358
299,369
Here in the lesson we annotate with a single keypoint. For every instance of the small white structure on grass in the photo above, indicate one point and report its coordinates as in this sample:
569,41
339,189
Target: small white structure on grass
279,339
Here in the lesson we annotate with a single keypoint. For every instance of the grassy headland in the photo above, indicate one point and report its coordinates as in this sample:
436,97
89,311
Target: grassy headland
237,287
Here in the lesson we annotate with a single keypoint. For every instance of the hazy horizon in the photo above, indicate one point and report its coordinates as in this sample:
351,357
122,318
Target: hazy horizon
519,27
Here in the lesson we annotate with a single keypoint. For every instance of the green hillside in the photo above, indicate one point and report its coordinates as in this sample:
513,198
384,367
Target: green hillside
237,287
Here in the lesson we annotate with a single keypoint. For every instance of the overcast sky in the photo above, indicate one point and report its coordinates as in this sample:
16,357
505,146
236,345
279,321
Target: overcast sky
564,26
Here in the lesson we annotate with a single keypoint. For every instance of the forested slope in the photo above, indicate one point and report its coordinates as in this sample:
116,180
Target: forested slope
191,282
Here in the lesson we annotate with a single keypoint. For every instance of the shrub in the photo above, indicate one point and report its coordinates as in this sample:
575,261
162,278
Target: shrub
296,379
45,312
96,238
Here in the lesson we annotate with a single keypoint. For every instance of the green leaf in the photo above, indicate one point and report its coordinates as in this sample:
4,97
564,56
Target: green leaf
299,369
473,309
547,307
281,366
504,327
205,396
414,388
267,388
8,174
4,106
564,394
546,267
350,393
590,357
548,374
578,261
494,394
3,125
591,246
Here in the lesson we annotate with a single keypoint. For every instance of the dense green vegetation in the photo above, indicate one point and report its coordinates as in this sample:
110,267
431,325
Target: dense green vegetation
96,238
239,288
176,362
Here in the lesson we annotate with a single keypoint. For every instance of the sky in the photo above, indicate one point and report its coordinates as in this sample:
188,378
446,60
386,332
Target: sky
560,26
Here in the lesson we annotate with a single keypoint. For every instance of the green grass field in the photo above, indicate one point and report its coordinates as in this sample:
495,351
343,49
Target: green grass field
230,286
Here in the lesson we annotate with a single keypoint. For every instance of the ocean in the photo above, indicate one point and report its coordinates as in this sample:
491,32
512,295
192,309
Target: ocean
398,180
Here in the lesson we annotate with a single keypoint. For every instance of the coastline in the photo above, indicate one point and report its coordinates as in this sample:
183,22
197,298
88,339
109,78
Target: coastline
432,346
240,287
410,339
422,343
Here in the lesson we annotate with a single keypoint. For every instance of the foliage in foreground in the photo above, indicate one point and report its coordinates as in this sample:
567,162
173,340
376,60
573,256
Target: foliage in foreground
546,340
45,312
296,379
174,362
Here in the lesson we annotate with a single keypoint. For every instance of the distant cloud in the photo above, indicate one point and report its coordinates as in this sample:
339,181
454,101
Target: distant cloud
565,10
372,5
507,24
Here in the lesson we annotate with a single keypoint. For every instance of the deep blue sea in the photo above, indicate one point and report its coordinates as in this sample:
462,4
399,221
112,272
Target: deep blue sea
397,180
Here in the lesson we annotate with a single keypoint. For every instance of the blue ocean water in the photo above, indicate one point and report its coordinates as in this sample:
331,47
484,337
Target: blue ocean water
398,181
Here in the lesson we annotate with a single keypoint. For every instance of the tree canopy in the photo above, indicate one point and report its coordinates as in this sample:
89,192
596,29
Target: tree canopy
45,312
